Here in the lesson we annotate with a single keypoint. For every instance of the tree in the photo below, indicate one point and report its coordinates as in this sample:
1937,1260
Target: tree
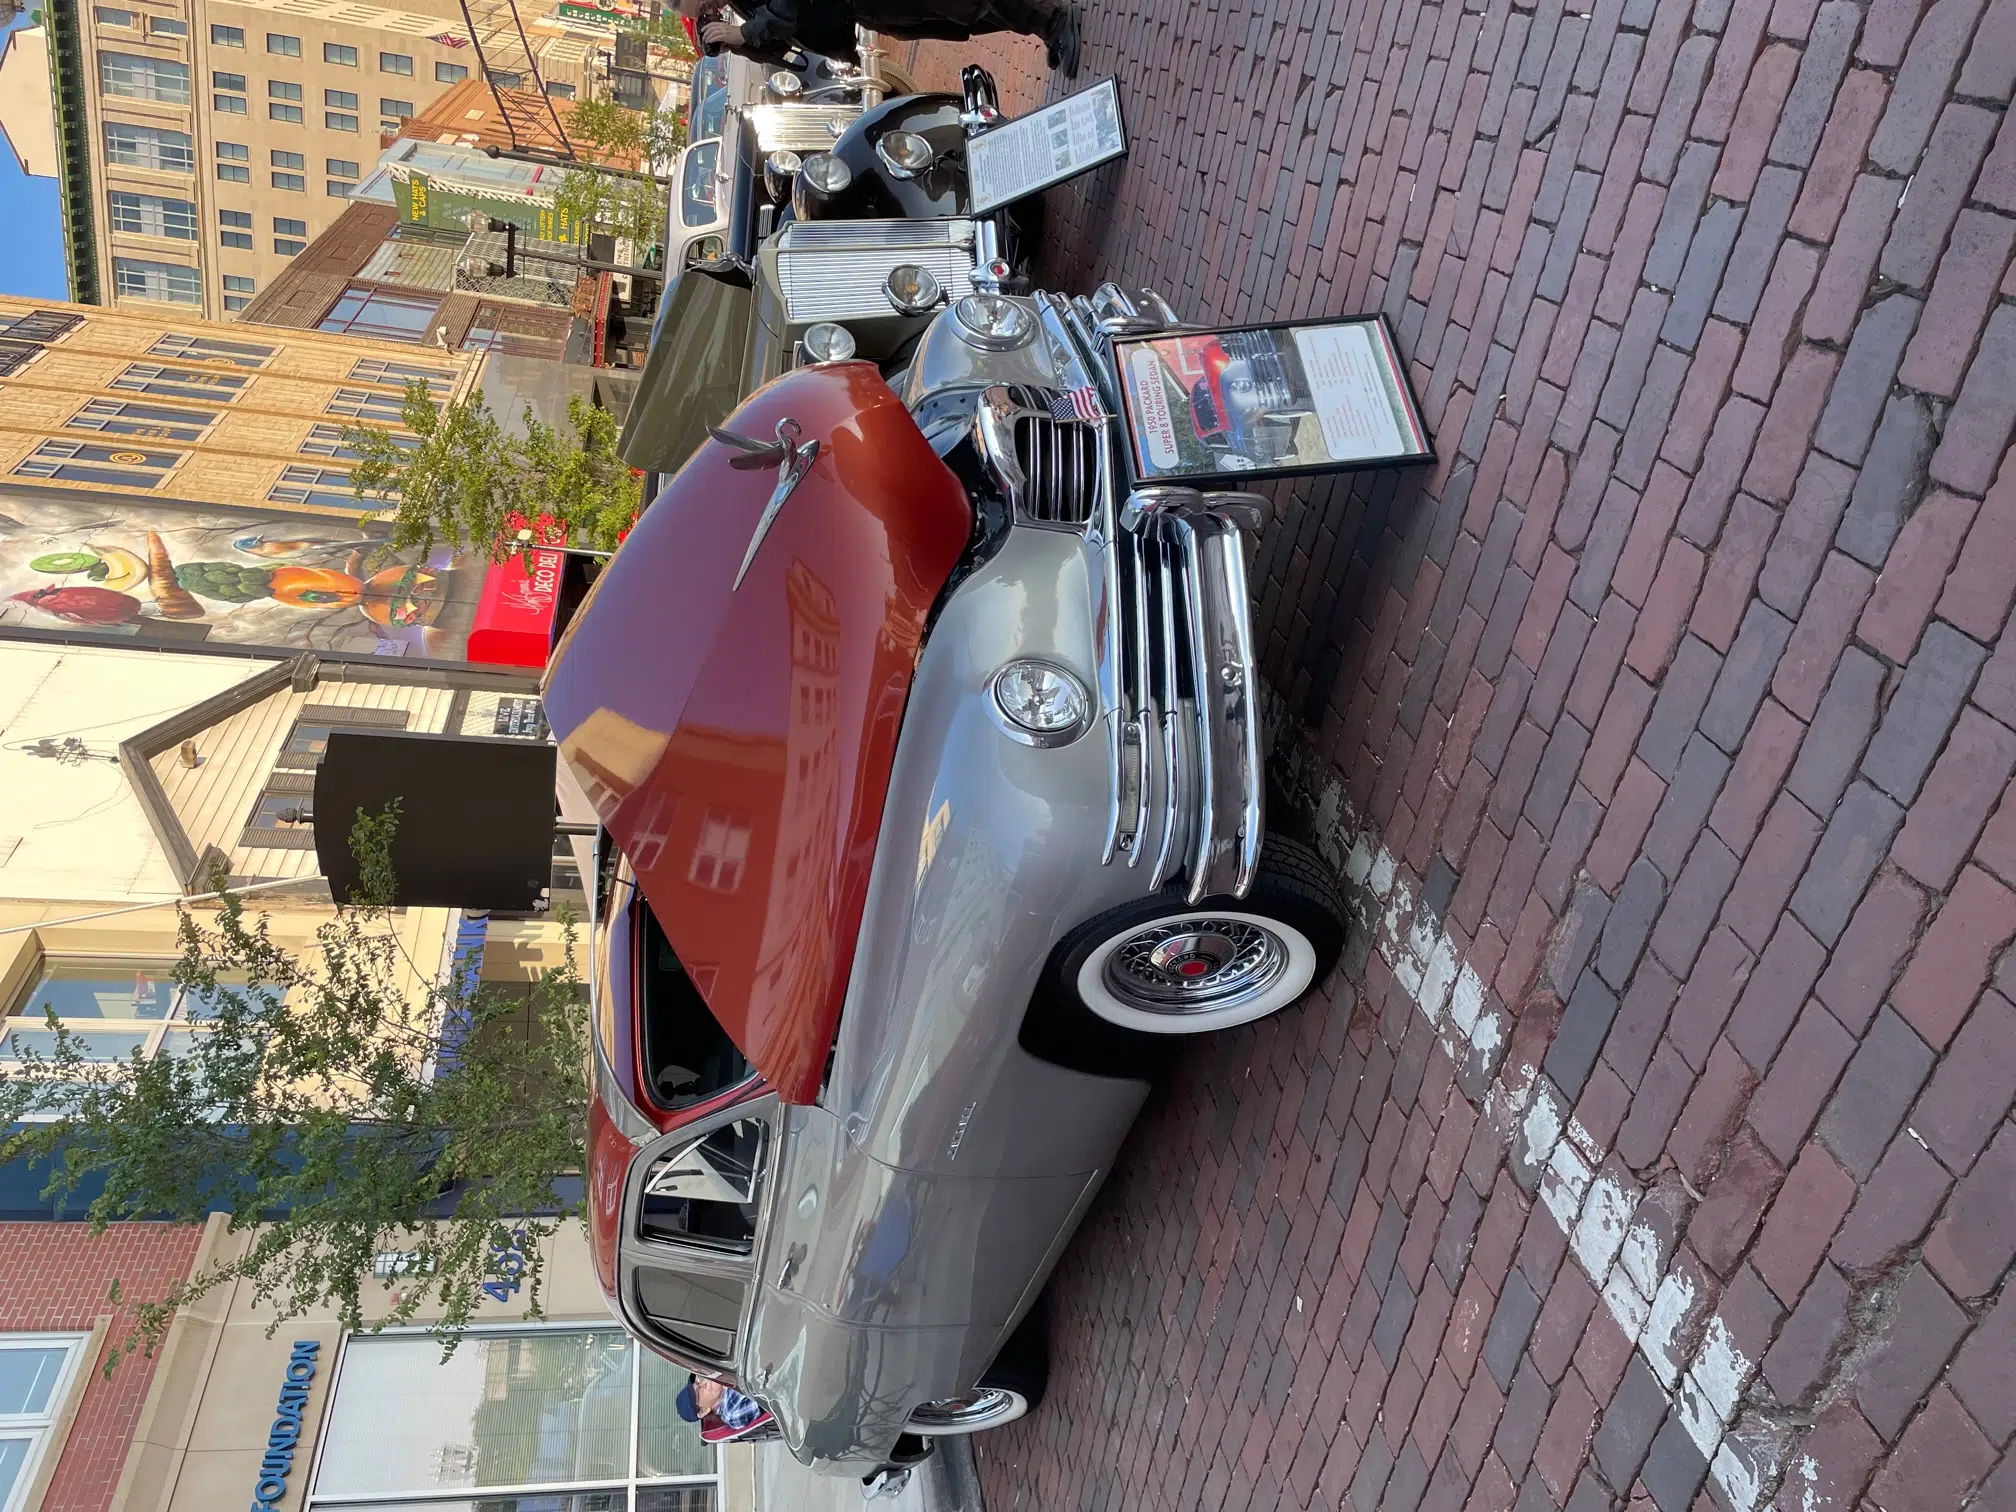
338,1103
461,479
622,204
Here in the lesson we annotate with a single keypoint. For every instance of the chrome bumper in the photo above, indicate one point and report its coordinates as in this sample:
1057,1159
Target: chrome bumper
1177,680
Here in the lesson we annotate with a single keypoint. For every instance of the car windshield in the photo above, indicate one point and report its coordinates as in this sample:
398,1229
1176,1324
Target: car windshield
696,189
688,1056
709,100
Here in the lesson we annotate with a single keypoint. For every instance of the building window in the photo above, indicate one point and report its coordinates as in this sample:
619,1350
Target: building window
339,167
293,182
330,441
166,26
340,54
396,63
238,241
579,1417
138,278
244,354
152,215
281,815
283,46
155,422
308,742
450,73
280,89
281,159
720,853
383,370
228,104
227,36
150,147
291,114
111,15
337,189
360,404
238,220
111,1008
395,109
231,159
287,246
23,337
558,90
131,77
36,1372
380,312
503,78
230,81
178,382
285,226
237,289
337,120
329,487
82,462
342,99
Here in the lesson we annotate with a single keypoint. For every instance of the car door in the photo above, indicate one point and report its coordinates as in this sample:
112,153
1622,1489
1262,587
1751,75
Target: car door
692,1217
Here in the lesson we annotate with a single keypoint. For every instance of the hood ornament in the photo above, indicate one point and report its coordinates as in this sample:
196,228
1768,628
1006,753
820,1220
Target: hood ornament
792,459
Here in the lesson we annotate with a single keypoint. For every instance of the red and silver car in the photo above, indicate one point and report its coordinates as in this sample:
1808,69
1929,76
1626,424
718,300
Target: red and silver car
930,763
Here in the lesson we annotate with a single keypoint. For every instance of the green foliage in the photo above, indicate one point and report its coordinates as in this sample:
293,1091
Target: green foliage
470,483
312,1107
619,203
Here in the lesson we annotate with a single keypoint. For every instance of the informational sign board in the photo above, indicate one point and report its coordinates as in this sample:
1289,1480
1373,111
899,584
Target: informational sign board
1250,402
1046,147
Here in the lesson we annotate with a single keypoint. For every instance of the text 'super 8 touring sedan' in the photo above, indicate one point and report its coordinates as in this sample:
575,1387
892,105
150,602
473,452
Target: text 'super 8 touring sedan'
929,761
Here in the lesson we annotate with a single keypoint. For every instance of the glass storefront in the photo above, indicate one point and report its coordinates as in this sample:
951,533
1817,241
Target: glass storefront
519,1419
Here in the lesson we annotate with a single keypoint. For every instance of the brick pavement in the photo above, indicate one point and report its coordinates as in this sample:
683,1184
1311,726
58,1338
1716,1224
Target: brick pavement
1653,1145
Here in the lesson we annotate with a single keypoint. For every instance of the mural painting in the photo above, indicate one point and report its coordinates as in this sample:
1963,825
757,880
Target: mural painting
135,567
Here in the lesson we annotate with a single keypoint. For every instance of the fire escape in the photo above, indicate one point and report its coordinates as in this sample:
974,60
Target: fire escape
504,52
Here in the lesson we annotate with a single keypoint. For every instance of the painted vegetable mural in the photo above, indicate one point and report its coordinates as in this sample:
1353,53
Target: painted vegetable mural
165,572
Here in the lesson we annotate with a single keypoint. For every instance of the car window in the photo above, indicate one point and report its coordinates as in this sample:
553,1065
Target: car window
698,1312
705,1192
713,111
696,189
688,1056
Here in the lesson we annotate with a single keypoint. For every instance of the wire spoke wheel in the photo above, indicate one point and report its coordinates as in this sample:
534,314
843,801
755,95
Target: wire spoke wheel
1195,964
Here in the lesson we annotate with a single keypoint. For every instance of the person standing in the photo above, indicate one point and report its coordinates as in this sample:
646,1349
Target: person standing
827,26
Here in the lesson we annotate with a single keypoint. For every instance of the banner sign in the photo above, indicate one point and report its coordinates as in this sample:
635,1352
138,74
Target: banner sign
1048,146
1235,405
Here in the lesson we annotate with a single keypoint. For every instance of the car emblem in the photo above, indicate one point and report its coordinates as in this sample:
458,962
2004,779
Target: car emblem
793,458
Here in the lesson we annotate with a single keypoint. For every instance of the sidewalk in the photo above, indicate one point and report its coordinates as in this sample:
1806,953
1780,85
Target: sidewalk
944,1483
1654,1147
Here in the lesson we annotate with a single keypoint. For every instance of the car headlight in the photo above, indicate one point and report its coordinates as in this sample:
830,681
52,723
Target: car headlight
827,342
905,153
912,289
992,322
824,173
779,169
1040,703
786,85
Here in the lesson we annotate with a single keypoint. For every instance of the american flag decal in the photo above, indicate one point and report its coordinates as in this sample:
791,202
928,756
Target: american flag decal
1077,404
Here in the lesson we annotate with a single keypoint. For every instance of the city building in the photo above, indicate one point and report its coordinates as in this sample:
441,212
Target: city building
207,142
27,116
565,1412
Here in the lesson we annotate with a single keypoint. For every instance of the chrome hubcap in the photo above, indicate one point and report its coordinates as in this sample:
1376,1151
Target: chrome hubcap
974,1410
1190,965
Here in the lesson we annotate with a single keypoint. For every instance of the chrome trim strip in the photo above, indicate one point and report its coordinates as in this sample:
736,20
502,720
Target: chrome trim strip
1147,720
1172,715
994,417
1102,535
1239,623
1202,840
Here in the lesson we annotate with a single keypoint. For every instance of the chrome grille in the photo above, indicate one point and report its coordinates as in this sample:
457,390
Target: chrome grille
1059,458
800,128
834,270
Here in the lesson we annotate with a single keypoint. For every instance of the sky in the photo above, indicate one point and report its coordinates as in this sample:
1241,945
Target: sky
30,209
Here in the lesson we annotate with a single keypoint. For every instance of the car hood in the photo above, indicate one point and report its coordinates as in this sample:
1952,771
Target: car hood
737,740
694,374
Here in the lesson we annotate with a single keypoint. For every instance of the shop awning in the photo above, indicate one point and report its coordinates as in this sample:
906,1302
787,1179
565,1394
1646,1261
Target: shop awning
514,614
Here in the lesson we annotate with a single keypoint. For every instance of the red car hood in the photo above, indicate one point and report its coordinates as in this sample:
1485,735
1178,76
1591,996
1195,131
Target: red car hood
737,741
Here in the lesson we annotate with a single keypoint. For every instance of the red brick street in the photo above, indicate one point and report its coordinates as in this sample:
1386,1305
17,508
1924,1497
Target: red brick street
1652,1146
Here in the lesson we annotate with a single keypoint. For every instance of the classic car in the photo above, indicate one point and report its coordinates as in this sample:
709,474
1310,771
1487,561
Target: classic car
928,760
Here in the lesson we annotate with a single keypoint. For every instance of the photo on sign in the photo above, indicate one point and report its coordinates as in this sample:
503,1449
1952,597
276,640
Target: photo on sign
1031,153
1267,401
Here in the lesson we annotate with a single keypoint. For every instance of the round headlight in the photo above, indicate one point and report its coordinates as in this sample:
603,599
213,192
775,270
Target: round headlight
905,153
786,85
1040,702
825,173
779,169
827,342
990,321
912,289
784,162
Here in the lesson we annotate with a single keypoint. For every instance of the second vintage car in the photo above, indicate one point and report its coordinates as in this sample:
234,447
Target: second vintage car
929,760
